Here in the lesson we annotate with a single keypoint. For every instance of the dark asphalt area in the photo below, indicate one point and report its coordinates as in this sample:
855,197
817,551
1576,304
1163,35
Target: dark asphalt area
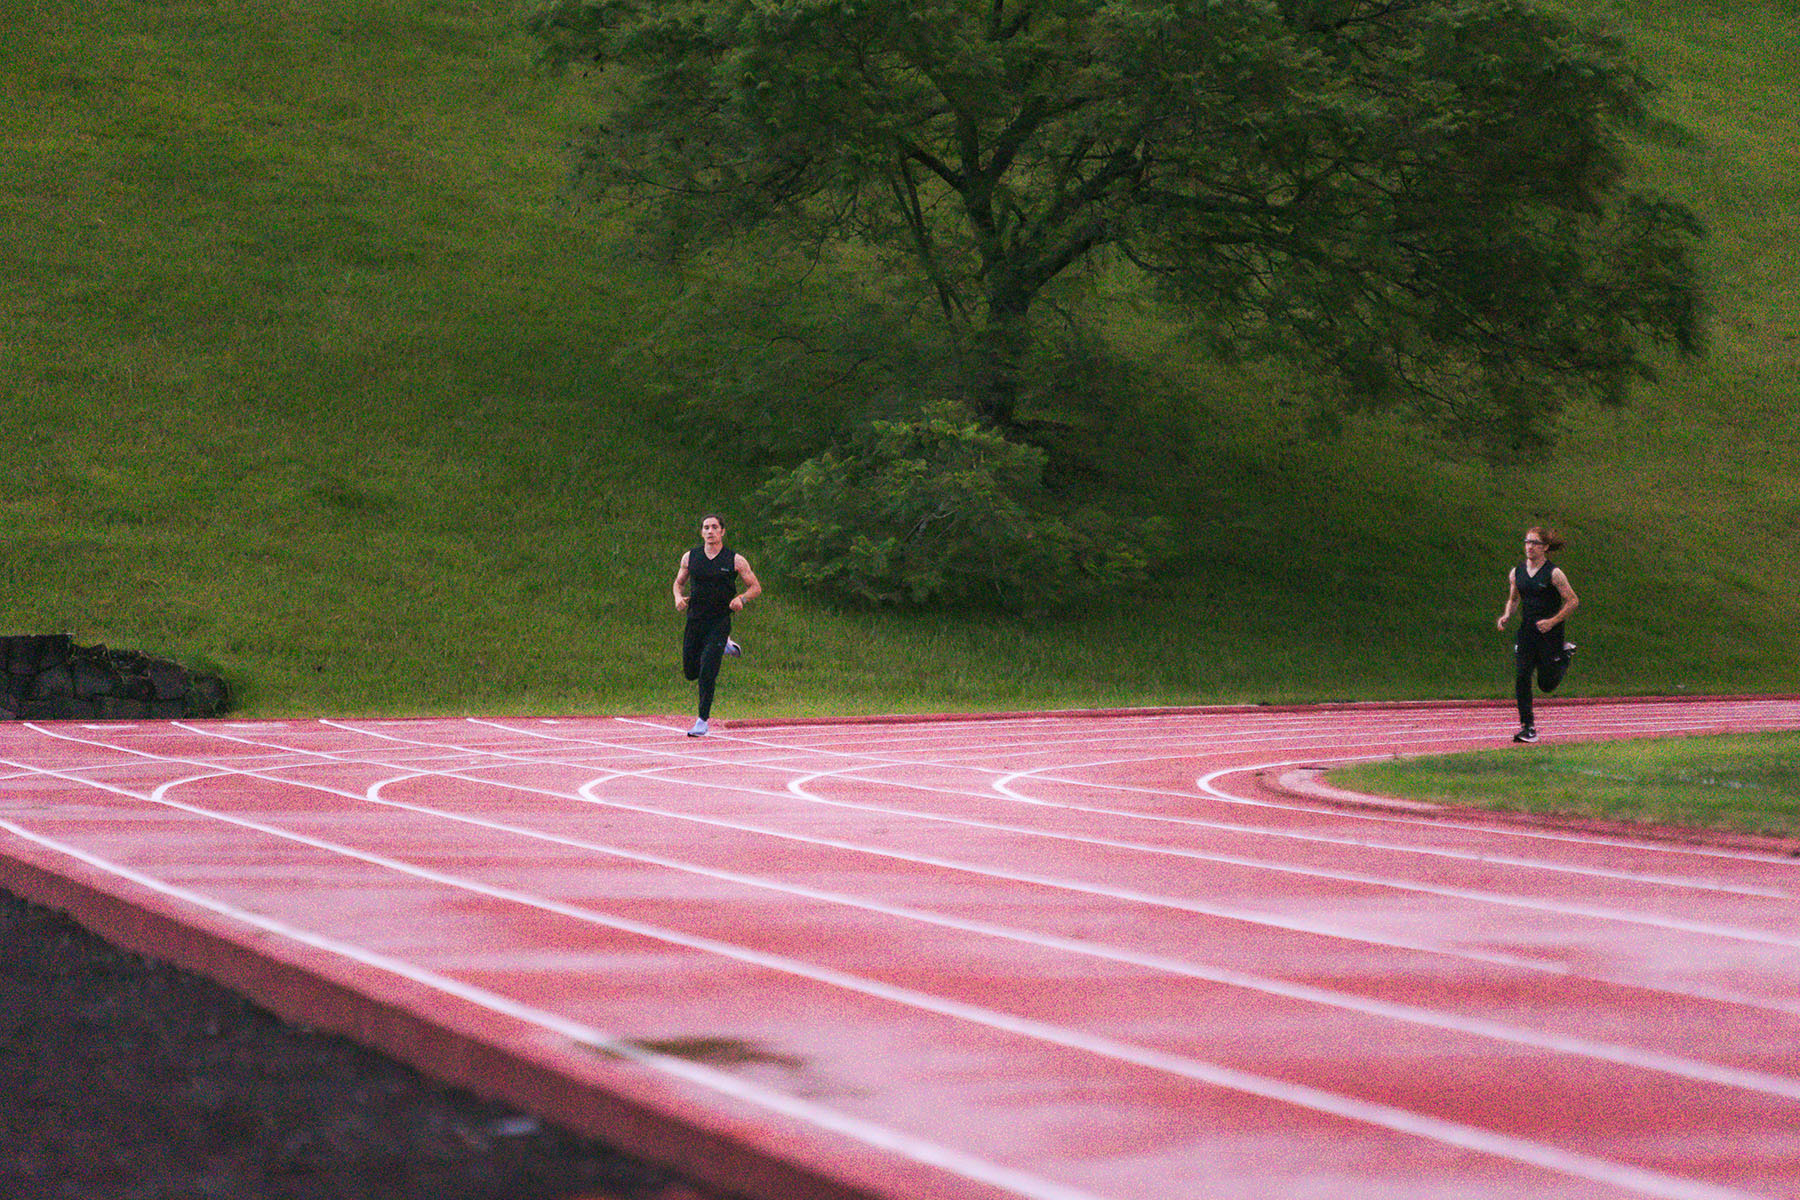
124,1078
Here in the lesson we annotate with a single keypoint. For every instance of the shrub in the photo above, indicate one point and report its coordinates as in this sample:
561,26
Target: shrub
940,510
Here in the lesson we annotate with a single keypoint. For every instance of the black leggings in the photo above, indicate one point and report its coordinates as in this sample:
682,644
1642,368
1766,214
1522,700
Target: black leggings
1544,655
702,650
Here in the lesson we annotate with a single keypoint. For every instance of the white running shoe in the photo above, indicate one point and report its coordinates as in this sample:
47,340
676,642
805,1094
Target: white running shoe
732,649
699,729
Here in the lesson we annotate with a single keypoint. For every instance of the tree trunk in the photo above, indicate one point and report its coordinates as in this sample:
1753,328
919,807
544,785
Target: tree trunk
1001,348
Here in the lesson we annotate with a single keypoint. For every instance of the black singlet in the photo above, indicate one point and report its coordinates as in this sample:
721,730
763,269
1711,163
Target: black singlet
712,582
1538,597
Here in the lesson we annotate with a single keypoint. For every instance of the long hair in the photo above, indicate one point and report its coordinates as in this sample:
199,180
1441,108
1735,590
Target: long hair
1552,540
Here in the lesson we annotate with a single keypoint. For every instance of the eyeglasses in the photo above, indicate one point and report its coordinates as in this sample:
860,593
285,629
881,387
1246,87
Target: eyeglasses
1534,542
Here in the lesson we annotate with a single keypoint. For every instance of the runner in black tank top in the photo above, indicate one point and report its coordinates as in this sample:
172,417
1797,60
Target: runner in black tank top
709,574
1541,591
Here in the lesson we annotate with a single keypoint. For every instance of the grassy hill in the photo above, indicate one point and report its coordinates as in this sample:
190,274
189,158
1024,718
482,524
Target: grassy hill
307,373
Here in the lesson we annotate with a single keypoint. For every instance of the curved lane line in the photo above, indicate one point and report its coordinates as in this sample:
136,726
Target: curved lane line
869,1133
1617,1054
1449,1133
797,787
1589,911
1690,991
1712,995
1044,774
1620,1055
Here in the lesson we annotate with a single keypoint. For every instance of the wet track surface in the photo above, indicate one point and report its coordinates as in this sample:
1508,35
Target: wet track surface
1058,955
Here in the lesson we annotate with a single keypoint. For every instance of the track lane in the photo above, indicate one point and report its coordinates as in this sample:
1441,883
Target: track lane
919,932
1412,1013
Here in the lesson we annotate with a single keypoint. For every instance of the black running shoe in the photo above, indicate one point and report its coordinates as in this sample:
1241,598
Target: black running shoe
1527,734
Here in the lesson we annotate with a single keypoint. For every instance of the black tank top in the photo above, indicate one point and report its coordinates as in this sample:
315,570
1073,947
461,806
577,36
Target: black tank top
1538,597
712,582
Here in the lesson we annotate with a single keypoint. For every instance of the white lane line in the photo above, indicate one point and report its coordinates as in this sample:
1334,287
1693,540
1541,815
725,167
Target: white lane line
1287,924
68,776
797,786
1003,786
1205,784
1197,738
1448,1133
1711,995
1207,792
1618,1054
1472,895
869,1133
1058,773
1213,735
1622,1055
1007,792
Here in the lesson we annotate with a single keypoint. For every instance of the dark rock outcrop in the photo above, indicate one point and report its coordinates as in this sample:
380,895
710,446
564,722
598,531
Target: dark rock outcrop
47,677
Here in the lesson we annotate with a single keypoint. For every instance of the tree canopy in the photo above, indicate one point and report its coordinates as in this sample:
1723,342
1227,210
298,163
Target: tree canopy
1429,199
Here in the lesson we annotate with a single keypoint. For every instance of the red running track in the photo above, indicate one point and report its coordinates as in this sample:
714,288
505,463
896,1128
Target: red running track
1055,956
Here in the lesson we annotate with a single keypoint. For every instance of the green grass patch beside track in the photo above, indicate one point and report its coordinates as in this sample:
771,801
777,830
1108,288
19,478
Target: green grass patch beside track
1741,783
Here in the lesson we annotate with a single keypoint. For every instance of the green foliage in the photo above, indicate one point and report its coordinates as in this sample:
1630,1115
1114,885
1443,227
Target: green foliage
1429,200
306,375
938,509
764,361
759,370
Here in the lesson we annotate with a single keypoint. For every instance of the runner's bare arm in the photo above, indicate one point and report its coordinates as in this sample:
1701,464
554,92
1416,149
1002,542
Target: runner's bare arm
752,585
1512,601
1571,602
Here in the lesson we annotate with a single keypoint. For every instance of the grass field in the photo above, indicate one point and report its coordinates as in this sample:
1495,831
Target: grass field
311,377
1741,783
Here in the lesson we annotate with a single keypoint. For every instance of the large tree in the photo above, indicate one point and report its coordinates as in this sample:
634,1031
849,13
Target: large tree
1428,198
